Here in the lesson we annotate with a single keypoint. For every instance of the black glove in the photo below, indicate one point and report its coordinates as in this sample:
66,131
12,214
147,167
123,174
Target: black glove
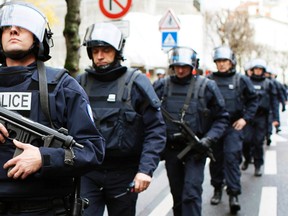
204,149
206,143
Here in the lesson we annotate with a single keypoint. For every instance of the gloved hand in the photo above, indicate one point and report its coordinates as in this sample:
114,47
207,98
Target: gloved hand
204,149
206,143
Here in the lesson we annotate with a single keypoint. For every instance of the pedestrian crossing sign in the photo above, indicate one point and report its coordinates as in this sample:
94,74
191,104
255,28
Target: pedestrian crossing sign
169,39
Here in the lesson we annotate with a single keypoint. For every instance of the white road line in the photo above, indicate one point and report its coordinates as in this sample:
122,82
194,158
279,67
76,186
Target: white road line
164,207
270,167
277,138
268,202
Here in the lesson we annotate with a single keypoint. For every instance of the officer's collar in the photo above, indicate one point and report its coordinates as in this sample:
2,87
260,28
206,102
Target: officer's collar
228,73
258,78
108,76
181,81
15,74
4,70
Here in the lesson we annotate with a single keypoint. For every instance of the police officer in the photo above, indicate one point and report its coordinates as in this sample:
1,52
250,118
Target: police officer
127,111
160,72
197,101
271,74
241,103
247,69
256,130
41,179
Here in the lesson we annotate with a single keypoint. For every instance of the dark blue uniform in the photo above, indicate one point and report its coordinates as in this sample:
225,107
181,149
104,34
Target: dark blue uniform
69,108
282,98
186,176
241,102
256,129
128,115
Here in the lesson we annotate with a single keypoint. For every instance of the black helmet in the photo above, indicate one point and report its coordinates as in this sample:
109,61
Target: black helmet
181,56
26,16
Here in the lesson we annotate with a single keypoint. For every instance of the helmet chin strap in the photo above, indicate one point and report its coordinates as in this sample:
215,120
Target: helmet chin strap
107,67
17,55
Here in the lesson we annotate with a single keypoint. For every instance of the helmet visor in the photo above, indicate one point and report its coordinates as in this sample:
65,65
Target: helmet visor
24,16
103,32
182,56
222,53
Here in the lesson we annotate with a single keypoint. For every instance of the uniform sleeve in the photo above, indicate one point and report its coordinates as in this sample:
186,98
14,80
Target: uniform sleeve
250,98
220,116
154,131
74,113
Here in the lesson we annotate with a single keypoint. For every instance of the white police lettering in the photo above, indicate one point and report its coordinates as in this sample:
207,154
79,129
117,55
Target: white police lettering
231,86
257,87
16,100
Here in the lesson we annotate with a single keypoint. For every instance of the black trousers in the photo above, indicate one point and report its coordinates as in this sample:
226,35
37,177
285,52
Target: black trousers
56,207
185,180
109,188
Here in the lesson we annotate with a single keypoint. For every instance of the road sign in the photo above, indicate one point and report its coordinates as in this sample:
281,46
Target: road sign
169,39
114,9
169,21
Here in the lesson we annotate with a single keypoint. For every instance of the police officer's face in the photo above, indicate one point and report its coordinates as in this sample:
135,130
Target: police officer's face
258,71
249,72
223,65
182,71
15,39
268,75
103,56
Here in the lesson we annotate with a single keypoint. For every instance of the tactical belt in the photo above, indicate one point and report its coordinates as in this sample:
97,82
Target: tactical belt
26,206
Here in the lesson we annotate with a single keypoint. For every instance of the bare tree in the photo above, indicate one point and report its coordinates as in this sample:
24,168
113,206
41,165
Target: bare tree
231,28
71,33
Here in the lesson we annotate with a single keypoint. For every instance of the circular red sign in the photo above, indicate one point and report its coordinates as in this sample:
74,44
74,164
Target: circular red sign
114,4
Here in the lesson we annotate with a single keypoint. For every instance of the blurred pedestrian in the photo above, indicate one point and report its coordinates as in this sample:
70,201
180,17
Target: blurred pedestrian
256,129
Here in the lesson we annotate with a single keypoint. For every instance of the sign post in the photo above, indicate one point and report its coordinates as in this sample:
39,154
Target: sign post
169,26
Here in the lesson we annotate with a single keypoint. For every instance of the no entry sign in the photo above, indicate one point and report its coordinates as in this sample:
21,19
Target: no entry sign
114,9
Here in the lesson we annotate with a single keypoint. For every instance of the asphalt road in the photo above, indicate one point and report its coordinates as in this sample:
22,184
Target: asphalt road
261,196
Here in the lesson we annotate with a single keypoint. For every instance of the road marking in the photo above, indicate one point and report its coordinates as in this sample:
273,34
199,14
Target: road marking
270,167
268,202
277,138
164,207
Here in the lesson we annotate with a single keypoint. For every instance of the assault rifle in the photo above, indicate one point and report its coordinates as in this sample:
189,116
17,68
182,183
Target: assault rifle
28,131
193,140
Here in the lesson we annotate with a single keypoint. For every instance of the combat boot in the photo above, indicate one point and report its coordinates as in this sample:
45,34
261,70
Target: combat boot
257,172
216,198
234,204
245,165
